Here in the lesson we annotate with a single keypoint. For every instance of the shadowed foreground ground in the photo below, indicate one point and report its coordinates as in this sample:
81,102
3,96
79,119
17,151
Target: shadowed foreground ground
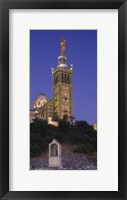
70,161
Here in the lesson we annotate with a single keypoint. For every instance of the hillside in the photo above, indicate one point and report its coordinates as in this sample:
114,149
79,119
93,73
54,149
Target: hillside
70,160
79,144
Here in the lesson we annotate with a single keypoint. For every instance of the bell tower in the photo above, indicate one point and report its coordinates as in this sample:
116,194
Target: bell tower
62,86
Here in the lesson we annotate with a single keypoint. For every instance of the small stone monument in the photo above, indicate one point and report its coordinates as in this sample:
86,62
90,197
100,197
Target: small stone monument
55,154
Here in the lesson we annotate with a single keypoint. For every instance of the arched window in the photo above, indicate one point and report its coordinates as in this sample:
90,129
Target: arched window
62,78
68,79
56,79
65,78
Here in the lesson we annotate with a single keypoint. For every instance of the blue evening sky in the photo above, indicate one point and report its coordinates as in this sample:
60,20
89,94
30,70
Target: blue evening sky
81,51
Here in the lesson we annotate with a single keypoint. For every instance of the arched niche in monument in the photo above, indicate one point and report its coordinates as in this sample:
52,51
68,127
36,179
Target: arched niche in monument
54,150
55,154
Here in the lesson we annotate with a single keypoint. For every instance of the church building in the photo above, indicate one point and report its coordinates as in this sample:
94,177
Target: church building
60,106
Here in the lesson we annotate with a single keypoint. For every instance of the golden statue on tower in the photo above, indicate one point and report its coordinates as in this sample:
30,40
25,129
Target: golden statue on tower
62,46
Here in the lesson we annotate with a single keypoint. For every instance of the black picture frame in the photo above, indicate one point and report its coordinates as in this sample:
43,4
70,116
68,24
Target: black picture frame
121,5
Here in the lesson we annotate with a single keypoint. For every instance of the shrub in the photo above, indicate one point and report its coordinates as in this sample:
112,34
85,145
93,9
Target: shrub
85,148
88,148
35,150
81,134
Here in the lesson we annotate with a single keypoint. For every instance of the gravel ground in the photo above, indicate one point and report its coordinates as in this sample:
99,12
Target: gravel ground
70,161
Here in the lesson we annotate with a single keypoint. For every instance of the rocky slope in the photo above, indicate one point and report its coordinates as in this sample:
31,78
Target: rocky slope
70,161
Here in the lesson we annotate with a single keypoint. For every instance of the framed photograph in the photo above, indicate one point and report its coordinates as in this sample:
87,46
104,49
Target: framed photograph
69,133
63,99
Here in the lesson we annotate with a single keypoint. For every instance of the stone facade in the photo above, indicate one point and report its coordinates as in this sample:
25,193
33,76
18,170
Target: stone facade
62,90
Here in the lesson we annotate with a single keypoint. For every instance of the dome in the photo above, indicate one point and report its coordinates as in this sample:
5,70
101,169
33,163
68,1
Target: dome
41,96
40,100
62,60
